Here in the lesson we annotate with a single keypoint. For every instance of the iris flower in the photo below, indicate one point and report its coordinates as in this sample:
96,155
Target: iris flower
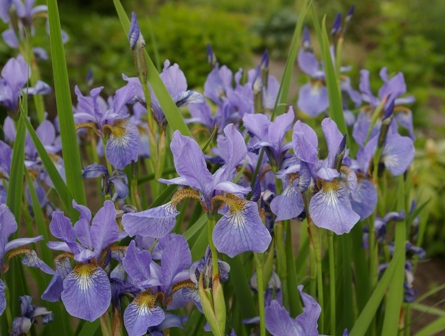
8,226
93,112
15,75
313,96
29,313
330,206
155,284
240,229
279,322
176,84
85,289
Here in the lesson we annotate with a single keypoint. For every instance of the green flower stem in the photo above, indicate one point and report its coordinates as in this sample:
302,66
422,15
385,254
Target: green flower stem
338,52
313,274
259,260
375,116
332,279
136,200
28,54
162,153
105,324
279,230
104,142
320,282
395,294
7,311
281,261
258,102
211,222
407,319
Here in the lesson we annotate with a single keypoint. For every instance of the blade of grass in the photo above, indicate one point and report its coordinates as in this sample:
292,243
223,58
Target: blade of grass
434,328
395,295
199,224
15,191
428,309
70,149
89,328
332,80
165,196
199,246
42,228
56,179
364,320
171,111
240,282
283,93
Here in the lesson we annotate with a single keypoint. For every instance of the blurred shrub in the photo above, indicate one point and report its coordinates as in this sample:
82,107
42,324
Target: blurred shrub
429,168
180,34
276,31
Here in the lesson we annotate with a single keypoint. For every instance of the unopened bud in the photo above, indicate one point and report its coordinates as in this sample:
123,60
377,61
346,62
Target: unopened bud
336,27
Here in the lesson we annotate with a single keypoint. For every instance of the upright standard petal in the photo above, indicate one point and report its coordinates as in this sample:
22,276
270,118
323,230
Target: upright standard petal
331,209
241,230
190,163
86,292
62,228
333,139
305,143
175,258
233,150
104,229
311,312
137,263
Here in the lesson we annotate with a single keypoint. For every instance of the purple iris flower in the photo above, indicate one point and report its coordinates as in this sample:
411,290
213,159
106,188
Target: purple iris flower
279,322
176,84
233,101
8,226
93,111
240,229
202,114
271,134
85,290
313,96
15,75
380,225
273,290
26,14
330,207
290,203
137,118
29,313
270,91
391,90
155,283
397,152
410,293
51,142
117,179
